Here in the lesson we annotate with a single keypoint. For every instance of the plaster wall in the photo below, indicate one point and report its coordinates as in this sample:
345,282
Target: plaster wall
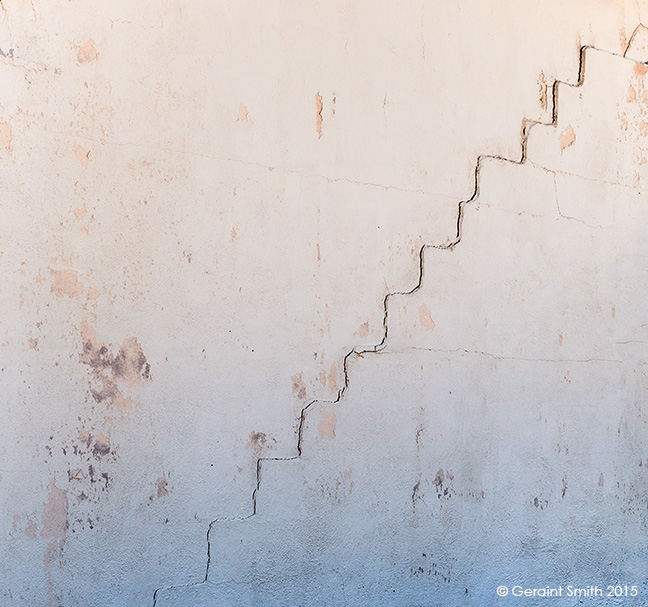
208,206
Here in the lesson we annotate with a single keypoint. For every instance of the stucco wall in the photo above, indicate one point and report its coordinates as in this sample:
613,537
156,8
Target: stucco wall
306,303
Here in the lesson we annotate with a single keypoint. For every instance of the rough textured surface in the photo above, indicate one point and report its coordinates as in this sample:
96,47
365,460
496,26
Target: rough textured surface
204,206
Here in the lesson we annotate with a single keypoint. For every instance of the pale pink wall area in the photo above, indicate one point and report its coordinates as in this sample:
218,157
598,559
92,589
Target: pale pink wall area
299,300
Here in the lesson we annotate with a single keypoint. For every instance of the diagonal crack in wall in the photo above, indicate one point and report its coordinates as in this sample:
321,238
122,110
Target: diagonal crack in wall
360,351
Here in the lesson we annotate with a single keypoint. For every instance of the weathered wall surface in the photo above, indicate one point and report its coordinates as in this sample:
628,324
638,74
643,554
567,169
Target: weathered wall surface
204,208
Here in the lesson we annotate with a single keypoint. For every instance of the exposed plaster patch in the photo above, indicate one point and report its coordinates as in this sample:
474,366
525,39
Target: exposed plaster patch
363,330
31,530
93,293
66,282
6,135
299,387
80,212
326,427
55,523
542,84
320,107
332,378
634,119
424,317
82,155
242,113
567,137
87,53
54,517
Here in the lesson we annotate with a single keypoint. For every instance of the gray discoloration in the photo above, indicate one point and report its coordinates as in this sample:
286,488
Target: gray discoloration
162,485
257,441
110,371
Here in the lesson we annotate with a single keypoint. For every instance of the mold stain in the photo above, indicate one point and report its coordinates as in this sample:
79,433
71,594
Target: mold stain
162,485
257,441
89,460
102,445
110,371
